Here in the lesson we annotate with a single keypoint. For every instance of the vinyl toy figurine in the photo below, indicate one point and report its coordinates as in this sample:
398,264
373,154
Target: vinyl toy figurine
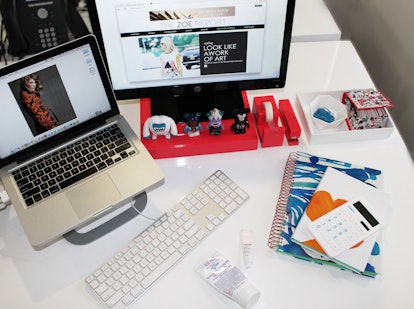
159,125
240,123
193,126
215,126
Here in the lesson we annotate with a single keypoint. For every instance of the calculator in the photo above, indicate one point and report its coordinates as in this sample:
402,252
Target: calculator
345,226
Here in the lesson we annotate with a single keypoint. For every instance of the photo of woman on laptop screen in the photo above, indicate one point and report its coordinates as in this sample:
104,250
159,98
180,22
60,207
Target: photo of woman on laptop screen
40,99
30,99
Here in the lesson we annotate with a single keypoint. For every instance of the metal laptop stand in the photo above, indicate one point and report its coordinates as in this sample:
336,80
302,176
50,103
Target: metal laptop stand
76,238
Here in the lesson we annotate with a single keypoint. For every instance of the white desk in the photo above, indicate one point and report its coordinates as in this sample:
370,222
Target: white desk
313,22
53,278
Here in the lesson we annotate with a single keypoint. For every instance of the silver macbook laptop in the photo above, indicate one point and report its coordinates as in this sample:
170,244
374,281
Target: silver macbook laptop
66,153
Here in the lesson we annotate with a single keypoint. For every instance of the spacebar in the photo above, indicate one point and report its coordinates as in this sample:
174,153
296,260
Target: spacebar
77,177
161,269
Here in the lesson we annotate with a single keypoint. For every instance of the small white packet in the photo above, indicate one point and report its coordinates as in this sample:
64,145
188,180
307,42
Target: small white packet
228,279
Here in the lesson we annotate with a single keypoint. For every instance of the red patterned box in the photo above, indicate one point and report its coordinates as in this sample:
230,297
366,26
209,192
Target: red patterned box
366,109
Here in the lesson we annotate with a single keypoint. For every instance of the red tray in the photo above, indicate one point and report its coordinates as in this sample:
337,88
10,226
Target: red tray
183,145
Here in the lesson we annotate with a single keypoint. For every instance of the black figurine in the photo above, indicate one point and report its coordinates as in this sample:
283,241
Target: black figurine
240,123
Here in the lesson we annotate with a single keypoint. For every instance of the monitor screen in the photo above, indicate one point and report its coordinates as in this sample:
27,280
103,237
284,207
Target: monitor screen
195,49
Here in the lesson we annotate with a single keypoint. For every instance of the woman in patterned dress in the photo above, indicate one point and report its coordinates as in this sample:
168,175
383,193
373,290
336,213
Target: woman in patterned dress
30,98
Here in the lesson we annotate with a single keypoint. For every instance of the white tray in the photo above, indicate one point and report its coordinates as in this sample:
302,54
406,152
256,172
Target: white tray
340,133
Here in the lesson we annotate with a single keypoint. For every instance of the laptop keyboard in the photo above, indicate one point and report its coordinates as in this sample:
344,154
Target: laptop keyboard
131,271
70,164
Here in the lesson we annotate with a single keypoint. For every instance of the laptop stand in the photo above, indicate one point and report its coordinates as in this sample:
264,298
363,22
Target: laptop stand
76,238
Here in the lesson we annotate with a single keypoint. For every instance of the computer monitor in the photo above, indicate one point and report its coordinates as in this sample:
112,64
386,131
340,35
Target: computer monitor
189,56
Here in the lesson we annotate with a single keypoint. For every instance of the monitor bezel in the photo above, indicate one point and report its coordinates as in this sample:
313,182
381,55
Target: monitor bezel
207,87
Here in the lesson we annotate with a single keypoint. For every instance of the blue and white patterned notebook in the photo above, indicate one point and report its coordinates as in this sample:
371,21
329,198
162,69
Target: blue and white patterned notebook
303,172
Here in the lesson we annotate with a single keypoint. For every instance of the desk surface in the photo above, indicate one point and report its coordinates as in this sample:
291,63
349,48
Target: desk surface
313,22
53,277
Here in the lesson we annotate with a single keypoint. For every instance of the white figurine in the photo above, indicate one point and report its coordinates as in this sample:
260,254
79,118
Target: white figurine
159,125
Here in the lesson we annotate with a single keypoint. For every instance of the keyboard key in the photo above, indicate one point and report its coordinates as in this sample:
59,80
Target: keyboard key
76,178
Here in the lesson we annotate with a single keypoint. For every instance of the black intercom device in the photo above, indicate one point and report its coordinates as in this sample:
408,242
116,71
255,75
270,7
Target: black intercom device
36,25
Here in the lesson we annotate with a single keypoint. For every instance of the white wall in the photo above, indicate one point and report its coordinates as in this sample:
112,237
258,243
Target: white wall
383,33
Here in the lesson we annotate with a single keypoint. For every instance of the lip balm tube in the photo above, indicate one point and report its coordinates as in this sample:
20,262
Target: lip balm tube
228,280
246,237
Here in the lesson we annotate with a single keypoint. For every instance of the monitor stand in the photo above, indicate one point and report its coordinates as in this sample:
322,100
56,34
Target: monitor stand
77,238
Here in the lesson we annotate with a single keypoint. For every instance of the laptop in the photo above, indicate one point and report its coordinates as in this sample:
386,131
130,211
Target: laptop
66,154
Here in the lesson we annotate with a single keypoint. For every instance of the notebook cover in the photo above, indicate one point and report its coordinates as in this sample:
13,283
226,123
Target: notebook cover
302,175
334,189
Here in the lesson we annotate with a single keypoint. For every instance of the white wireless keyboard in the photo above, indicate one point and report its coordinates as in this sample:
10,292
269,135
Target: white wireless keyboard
125,277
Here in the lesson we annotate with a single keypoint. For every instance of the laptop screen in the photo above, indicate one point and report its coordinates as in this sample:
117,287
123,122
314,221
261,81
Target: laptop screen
53,93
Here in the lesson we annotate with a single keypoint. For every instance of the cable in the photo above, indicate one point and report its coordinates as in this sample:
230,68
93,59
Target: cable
140,213
4,198
3,52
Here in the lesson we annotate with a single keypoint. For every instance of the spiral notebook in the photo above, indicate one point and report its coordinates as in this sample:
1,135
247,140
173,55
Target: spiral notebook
302,175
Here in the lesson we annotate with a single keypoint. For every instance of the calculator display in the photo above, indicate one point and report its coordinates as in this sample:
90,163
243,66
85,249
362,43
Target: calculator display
366,214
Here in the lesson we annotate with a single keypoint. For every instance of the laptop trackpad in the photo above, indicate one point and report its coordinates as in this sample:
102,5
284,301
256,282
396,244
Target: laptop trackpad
93,196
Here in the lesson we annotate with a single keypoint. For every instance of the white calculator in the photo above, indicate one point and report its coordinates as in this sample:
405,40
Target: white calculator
345,226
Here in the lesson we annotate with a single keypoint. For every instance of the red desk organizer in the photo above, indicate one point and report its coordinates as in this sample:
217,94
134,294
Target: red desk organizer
183,145
270,134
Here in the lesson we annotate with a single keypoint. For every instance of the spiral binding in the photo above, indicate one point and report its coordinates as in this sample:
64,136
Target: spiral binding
280,212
